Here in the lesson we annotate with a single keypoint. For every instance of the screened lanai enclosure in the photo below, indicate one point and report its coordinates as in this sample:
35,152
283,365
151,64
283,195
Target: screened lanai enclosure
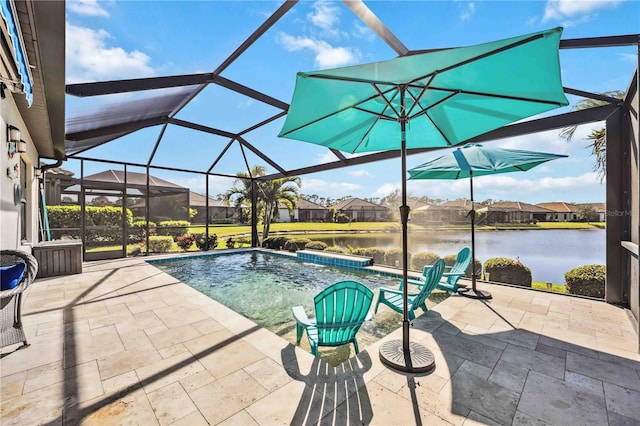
137,145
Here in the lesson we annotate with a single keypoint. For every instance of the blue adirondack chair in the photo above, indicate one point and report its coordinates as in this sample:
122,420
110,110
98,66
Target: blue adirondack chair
451,275
393,298
340,310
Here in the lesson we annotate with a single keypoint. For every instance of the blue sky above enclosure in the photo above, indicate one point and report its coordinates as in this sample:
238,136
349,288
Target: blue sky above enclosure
130,39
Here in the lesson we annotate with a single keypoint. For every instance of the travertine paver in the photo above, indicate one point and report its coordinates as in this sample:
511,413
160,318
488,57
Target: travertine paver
143,348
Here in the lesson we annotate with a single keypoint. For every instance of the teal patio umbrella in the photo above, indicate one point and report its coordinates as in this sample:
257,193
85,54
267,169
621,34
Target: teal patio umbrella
477,160
435,99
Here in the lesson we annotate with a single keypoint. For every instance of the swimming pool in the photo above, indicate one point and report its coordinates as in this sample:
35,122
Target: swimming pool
264,287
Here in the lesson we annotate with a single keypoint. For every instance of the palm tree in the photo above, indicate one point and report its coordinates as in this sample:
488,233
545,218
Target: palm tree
274,192
240,193
597,137
270,194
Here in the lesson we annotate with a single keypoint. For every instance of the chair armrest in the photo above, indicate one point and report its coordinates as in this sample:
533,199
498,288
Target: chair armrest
394,291
415,282
453,274
301,316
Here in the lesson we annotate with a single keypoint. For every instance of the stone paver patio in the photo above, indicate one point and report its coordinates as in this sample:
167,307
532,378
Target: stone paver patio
125,343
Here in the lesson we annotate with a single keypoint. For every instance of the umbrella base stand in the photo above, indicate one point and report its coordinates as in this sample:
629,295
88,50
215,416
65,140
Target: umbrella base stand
417,360
474,293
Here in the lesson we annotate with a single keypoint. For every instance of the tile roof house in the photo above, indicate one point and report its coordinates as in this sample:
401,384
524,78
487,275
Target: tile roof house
449,212
512,212
599,210
562,212
219,211
305,211
362,211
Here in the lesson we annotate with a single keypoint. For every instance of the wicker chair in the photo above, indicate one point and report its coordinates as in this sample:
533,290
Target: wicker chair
10,300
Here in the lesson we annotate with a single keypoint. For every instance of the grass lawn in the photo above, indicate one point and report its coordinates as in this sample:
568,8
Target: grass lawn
555,288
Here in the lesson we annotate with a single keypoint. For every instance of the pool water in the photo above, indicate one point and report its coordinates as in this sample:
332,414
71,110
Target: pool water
264,287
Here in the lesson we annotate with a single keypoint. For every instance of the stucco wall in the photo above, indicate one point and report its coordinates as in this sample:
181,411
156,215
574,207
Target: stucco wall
10,234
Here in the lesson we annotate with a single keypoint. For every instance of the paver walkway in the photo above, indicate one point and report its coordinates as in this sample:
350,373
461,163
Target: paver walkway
125,343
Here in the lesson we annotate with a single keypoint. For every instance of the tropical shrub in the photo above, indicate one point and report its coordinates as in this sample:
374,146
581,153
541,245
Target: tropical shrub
509,271
201,241
422,259
231,243
342,218
138,230
335,249
296,244
185,242
173,228
274,243
316,245
376,253
587,280
394,255
160,244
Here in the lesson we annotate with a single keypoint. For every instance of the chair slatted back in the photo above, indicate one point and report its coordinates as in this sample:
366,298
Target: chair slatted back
340,311
463,260
431,280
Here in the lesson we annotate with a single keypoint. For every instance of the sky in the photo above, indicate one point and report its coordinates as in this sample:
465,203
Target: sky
111,40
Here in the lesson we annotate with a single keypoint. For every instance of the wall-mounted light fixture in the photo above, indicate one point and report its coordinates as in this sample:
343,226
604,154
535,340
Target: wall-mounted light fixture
13,134
37,173
21,146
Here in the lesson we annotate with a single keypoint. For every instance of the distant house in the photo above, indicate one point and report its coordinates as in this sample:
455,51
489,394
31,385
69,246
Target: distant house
512,212
449,212
305,211
219,211
599,210
561,211
362,211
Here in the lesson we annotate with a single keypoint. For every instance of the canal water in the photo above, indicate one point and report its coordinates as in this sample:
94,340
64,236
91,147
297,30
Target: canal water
548,253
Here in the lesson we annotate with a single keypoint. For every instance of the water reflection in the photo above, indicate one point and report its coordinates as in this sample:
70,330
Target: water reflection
548,253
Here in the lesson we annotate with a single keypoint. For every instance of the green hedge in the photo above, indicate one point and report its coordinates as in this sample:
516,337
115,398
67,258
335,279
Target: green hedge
505,270
393,255
587,280
105,221
201,241
274,243
376,253
296,244
335,249
173,228
138,230
160,244
316,245
422,259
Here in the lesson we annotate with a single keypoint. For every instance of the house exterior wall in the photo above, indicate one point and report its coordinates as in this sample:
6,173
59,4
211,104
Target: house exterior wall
11,220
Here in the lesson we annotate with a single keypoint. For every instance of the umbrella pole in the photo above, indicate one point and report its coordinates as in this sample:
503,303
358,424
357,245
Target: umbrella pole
474,293
405,355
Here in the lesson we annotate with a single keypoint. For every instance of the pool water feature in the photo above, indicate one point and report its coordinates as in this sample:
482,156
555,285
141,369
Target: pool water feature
264,287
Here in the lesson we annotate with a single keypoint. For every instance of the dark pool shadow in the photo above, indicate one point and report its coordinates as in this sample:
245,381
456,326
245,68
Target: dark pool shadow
328,387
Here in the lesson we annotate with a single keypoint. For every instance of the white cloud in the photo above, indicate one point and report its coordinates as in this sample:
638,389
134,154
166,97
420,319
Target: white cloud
468,11
327,157
362,31
360,173
631,57
87,8
326,55
386,189
325,15
90,59
563,9
331,189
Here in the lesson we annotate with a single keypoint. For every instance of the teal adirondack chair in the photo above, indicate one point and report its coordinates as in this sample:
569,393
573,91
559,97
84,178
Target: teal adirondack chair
340,310
453,273
393,298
